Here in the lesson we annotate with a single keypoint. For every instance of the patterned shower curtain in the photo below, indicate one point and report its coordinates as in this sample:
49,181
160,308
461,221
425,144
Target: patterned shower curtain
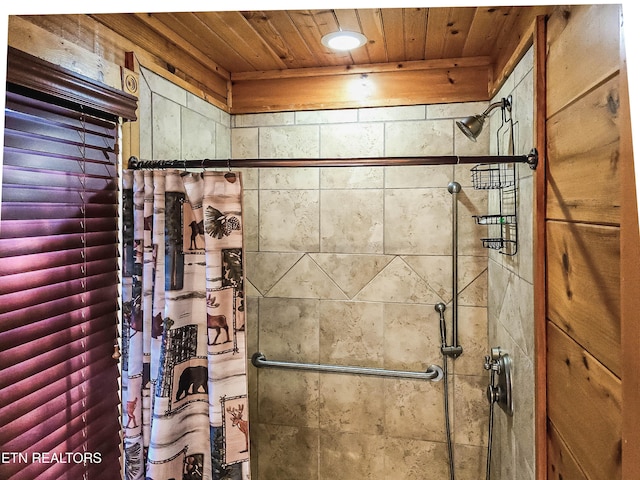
184,371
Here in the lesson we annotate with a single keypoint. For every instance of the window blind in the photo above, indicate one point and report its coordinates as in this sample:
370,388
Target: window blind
59,406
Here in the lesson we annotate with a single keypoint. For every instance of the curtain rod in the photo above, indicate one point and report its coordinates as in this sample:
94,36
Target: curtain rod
531,159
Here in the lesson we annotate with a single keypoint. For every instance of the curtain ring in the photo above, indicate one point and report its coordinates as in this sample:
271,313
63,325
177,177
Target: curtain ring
229,164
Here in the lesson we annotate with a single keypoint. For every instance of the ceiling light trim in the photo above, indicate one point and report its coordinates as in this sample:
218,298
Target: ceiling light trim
343,40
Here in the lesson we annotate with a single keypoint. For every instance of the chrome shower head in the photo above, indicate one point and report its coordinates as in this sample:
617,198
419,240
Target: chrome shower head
472,126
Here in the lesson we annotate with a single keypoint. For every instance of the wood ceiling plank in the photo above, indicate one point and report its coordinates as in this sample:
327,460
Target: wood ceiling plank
279,32
198,34
484,30
238,33
457,29
142,37
179,41
371,21
309,28
415,33
348,20
392,21
437,20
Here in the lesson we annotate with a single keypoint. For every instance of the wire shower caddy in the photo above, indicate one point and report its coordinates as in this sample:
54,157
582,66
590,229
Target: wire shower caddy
502,226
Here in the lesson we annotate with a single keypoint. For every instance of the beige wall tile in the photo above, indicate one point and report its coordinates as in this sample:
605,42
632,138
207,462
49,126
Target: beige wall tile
348,140
357,229
455,110
472,335
351,456
307,280
289,220
326,116
263,119
418,176
417,221
436,270
352,177
265,269
411,337
250,220
198,136
351,272
415,138
410,459
301,141
471,462
351,333
166,129
398,283
288,397
414,410
355,406
471,409
285,452
299,178
244,143
289,330
390,114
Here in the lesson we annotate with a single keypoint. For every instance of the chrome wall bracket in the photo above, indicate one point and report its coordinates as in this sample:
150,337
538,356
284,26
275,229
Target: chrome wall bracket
500,389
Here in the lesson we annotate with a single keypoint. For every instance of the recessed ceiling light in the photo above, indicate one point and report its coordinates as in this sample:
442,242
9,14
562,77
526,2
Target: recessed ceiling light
344,40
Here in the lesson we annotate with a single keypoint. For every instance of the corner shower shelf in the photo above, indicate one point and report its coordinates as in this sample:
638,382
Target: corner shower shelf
502,226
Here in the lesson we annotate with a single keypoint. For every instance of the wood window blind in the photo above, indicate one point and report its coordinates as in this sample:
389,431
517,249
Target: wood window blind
59,406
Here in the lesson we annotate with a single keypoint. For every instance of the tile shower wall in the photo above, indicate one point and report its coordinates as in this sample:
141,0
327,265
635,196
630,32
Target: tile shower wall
344,266
177,125
511,293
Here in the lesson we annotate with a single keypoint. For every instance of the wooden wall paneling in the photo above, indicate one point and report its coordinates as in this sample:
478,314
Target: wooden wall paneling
30,38
131,130
583,141
36,34
516,31
384,88
583,282
584,402
539,244
629,285
562,464
150,47
584,50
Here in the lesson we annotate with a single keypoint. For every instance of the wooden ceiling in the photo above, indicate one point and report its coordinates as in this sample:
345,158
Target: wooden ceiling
237,45
250,41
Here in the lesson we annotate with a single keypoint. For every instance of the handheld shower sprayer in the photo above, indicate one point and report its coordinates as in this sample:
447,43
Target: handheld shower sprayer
440,308
447,350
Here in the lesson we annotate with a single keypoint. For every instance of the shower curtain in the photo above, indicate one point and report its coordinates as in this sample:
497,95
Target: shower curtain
184,371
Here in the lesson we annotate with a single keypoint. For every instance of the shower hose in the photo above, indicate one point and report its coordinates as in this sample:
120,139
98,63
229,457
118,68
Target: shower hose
447,421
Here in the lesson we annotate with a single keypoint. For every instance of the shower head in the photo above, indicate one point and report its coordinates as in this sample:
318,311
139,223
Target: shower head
472,126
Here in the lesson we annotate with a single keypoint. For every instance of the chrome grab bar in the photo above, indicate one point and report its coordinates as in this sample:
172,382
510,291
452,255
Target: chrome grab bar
433,373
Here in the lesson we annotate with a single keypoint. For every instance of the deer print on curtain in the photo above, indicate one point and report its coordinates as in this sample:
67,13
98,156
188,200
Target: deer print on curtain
184,369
